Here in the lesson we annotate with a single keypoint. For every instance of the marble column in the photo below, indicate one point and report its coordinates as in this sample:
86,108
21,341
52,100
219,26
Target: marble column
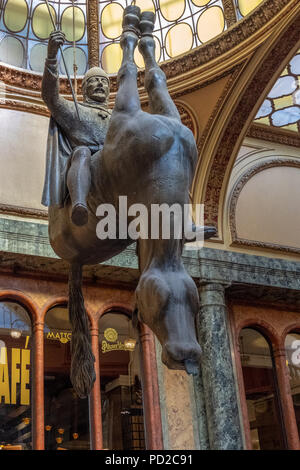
219,384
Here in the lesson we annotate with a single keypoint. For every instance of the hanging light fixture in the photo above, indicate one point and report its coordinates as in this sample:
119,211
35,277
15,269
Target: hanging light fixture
15,333
130,344
75,435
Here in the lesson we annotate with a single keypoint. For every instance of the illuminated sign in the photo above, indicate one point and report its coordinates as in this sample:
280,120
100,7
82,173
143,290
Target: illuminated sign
20,376
61,336
106,347
295,357
111,335
111,344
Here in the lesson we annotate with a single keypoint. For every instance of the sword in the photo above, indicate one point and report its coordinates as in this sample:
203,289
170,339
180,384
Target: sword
64,62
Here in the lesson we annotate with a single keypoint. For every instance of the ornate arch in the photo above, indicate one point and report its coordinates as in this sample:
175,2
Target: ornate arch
273,163
236,110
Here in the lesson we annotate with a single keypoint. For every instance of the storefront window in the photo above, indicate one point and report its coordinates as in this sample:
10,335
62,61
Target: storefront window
15,377
292,347
66,415
120,378
261,391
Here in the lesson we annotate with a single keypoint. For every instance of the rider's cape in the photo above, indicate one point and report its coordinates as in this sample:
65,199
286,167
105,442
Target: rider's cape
57,163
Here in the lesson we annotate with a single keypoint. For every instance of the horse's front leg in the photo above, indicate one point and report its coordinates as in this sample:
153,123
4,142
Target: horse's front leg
160,101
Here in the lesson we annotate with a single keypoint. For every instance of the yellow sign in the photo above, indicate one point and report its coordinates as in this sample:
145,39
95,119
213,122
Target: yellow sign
111,335
106,347
20,376
61,336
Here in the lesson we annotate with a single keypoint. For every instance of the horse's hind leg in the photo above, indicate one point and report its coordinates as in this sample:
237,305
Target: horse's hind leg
127,99
160,101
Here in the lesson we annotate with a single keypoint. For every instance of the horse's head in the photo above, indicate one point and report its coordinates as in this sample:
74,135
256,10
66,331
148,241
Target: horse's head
168,303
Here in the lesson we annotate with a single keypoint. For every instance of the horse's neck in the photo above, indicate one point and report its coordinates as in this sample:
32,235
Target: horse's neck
160,254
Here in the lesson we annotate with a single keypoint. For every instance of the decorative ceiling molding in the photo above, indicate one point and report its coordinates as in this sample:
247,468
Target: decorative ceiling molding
27,107
274,134
236,240
9,209
231,118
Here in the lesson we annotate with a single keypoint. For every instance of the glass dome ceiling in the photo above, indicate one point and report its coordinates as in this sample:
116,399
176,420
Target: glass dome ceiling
180,26
25,26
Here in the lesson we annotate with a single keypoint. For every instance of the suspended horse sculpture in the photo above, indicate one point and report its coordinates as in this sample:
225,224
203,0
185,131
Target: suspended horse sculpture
148,157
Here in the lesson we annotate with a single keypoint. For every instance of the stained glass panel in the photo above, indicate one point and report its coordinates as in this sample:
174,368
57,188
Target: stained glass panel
15,15
281,108
177,27
27,47
244,7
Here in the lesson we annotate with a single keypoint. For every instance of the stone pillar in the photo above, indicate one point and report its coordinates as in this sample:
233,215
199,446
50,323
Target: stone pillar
38,387
220,390
286,400
93,32
151,404
95,397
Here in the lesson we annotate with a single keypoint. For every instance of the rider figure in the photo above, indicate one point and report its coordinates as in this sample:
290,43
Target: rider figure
71,141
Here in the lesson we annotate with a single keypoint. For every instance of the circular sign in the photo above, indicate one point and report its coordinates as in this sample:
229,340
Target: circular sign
110,335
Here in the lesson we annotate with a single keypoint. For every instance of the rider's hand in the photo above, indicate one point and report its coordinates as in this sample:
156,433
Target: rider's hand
56,39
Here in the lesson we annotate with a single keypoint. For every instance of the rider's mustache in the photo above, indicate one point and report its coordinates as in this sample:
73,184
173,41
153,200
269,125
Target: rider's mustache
99,88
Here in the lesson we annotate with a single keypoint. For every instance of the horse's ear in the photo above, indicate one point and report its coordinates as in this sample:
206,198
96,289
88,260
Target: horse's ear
135,317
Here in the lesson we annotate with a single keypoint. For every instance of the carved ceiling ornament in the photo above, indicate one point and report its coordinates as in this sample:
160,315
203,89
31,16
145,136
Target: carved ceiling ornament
273,134
229,12
93,33
232,116
236,241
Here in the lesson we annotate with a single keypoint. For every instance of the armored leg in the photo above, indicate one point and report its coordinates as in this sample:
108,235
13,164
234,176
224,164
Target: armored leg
79,182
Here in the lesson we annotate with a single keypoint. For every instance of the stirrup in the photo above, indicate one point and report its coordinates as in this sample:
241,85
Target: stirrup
147,23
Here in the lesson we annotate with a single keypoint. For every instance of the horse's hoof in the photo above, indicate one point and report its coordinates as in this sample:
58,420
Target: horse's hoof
147,23
79,215
199,233
131,19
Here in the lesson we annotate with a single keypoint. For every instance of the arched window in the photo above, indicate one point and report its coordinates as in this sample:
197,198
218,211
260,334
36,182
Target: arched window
66,415
120,379
260,382
292,347
15,377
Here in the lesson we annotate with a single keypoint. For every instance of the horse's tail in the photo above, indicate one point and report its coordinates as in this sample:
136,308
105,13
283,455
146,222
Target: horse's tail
82,358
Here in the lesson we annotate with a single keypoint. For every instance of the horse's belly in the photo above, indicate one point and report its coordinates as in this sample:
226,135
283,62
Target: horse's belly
80,244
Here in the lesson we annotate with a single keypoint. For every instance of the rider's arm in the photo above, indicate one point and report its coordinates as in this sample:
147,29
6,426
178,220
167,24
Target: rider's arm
62,110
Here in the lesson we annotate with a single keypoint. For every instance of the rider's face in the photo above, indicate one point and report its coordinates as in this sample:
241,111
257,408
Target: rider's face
97,89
